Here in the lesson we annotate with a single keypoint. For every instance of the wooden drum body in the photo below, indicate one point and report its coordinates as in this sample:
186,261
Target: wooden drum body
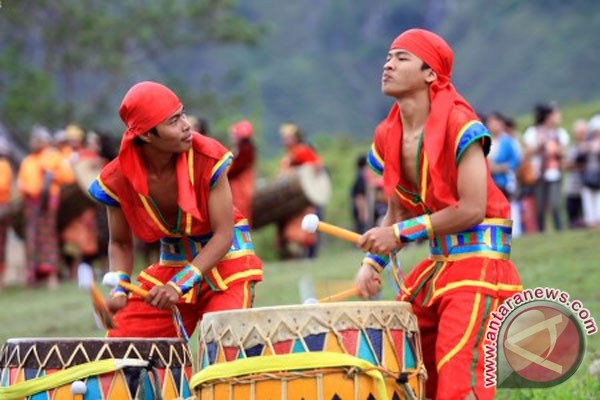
35,368
289,194
325,351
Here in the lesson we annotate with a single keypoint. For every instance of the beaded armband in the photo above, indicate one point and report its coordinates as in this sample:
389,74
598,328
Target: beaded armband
118,290
377,261
185,279
414,229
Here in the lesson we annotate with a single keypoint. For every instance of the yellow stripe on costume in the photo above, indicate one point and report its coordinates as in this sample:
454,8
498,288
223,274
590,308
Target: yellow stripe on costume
465,337
223,159
190,157
150,279
107,190
153,215
424,177
462,131
219,280
376,154
241,275
473,283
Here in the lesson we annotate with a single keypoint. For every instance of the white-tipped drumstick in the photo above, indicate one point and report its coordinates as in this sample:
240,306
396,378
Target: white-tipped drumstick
311,223
112,280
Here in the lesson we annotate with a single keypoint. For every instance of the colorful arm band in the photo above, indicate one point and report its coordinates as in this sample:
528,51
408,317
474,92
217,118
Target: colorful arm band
377,261
185,279
118,290
414,229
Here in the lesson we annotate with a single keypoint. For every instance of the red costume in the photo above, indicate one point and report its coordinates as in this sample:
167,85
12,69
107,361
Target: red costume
123,183
241,173
468,274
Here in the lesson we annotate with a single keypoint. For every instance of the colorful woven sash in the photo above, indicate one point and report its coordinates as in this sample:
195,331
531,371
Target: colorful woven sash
178,251
490,239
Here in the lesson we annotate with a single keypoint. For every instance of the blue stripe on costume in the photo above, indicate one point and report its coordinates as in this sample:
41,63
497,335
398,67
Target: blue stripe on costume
98,192
220,167
471,132
375,161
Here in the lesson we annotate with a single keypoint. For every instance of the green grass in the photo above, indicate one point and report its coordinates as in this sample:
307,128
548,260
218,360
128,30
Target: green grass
566,261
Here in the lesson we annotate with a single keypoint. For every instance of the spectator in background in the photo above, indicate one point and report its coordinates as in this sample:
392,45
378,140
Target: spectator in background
359,196
546,142
504,158
40,176
6,182
573,165
241,172
590,193
199,125
292,241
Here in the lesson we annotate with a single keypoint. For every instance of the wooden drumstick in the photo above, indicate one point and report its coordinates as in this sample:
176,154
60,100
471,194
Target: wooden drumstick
85,277
112,280
341,296
311,223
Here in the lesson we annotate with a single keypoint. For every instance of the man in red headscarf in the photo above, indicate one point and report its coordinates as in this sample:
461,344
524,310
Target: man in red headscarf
170,184
431,151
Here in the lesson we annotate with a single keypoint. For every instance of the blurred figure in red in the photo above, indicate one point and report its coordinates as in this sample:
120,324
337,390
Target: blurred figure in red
241,172
6,182
292,240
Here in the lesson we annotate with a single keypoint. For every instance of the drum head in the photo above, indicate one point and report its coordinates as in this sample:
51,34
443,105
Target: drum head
315,183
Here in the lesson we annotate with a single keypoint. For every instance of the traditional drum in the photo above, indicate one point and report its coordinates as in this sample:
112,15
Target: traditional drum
109,368
357,350
289,194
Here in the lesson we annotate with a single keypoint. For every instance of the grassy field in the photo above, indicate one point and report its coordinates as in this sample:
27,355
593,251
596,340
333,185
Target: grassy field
567,261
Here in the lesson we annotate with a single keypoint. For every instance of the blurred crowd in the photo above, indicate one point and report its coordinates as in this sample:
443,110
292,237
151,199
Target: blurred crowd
548,173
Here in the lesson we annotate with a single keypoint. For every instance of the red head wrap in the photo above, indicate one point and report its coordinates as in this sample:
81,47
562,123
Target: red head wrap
434,51
242,130
144,106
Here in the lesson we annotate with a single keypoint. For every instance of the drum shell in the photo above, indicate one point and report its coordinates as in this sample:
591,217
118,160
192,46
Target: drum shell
289,194
383,333
27,358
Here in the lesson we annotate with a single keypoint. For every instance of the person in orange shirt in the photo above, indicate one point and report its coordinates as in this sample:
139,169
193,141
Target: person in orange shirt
6,181
241,173
292,240
39,178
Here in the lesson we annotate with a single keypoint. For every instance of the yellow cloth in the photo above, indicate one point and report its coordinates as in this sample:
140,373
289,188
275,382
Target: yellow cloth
6,180
288,362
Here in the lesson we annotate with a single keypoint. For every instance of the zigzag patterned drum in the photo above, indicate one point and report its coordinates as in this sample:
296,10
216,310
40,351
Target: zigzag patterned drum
351,350
44,369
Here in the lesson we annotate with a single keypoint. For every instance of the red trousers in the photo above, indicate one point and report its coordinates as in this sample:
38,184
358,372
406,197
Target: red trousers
139,319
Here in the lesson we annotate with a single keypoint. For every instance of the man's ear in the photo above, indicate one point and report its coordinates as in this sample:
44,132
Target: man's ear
431,76
145,137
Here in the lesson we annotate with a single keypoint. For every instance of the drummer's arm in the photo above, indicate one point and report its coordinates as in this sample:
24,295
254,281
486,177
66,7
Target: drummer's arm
220,213
120,245
120,253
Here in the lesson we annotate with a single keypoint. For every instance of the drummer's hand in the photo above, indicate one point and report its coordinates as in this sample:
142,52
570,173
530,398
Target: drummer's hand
378,240
368,282
163,296
116,303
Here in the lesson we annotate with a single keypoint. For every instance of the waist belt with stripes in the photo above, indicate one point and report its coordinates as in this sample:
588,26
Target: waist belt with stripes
491,239
176,251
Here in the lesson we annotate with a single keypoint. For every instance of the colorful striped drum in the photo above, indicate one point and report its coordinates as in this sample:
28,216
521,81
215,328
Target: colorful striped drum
39,368
351,350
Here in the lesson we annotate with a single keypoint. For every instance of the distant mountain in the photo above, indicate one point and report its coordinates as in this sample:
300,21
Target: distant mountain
320,61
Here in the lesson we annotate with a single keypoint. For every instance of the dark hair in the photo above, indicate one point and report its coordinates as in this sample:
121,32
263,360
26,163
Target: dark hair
361,161
138,142
542,111
203,126
425,66
510,122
